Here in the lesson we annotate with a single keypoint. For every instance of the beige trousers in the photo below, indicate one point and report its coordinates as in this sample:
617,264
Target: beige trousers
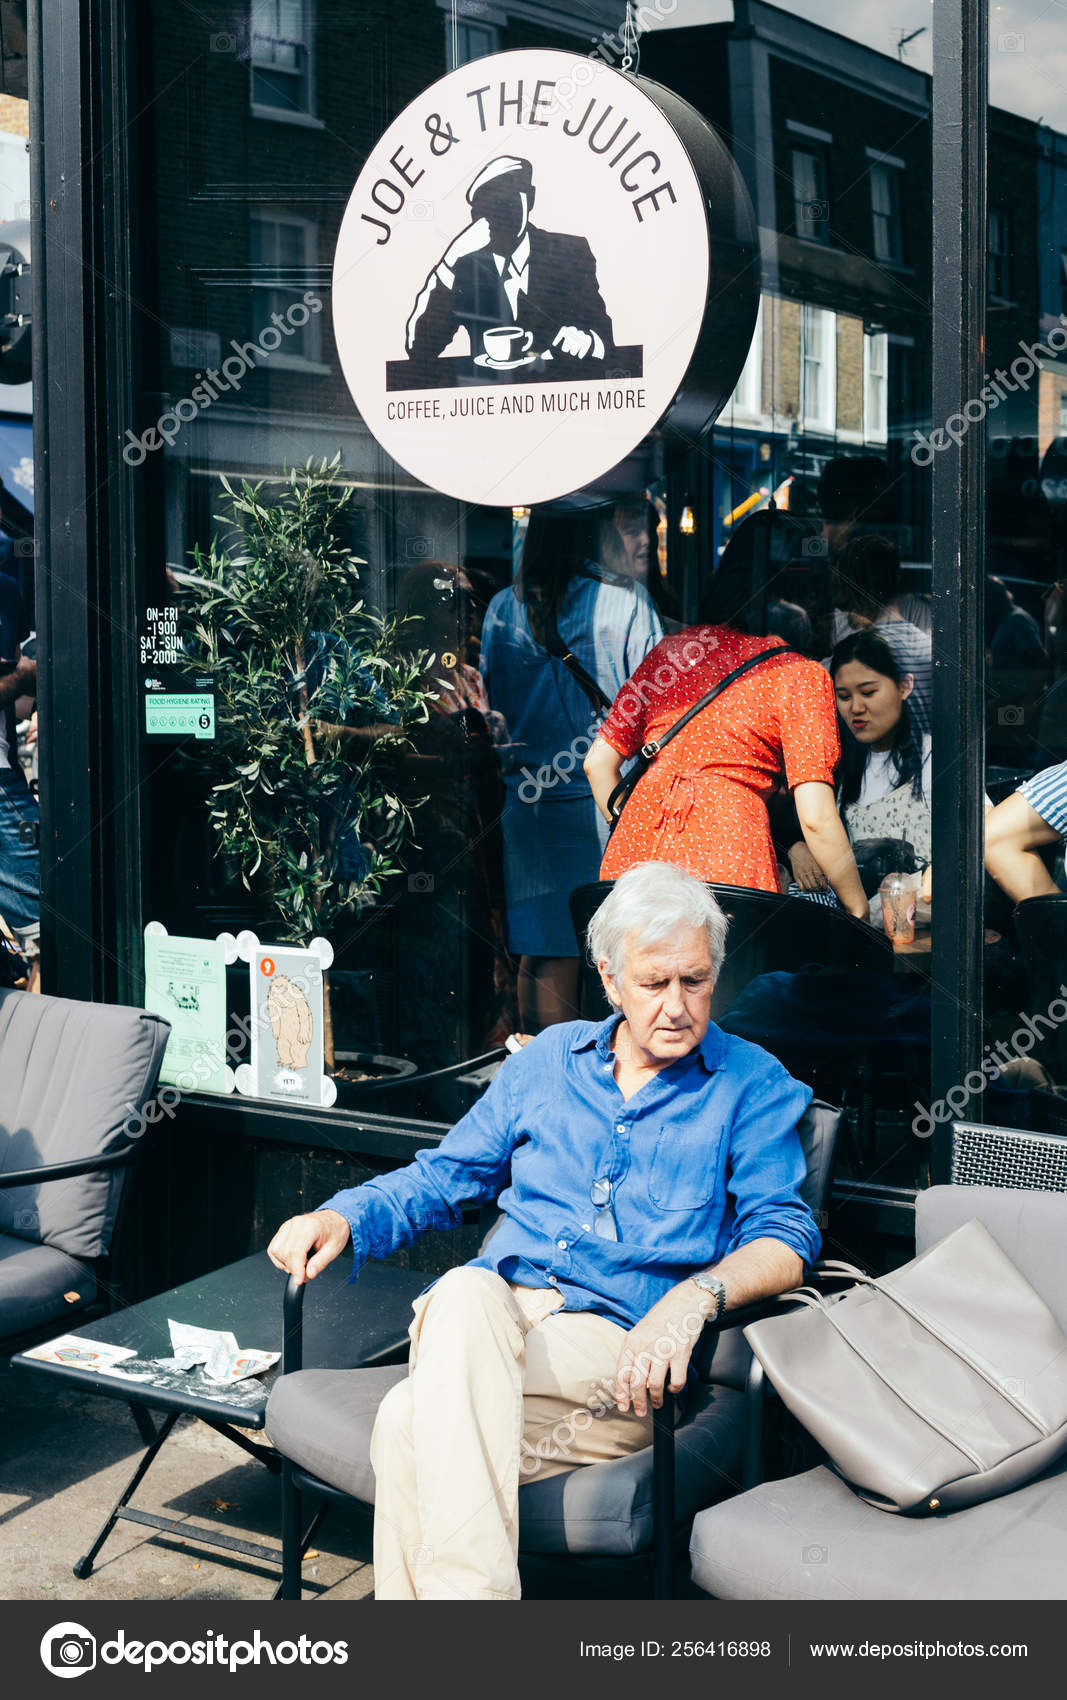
504,1388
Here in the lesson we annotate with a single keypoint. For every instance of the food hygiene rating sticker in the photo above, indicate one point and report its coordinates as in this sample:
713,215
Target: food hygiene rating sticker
168,715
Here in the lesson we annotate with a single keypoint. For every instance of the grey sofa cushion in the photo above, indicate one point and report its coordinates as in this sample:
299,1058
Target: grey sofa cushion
33,1280
322,1419
1031,1227
811,1538
74,1079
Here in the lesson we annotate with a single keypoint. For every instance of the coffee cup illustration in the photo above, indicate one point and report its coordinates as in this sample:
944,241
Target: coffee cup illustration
507,342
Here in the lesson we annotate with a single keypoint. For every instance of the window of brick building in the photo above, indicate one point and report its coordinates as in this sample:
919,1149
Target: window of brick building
810,196
281,57
885,212
999,246
818,369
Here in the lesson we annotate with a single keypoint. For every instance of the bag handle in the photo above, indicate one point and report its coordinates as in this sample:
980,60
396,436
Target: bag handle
834,1266
655,746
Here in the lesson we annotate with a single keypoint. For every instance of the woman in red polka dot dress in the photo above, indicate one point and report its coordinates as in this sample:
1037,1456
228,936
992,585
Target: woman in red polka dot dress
703,802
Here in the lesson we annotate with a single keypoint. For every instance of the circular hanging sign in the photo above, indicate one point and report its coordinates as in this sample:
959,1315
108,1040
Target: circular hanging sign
523,273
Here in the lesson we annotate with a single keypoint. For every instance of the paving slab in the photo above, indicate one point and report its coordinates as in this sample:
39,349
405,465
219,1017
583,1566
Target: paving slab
65,1459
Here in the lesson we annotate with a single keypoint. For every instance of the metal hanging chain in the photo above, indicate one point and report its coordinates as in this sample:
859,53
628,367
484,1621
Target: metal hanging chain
455,37
631,45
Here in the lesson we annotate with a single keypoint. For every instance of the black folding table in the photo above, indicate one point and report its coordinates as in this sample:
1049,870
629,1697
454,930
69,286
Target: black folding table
346,1327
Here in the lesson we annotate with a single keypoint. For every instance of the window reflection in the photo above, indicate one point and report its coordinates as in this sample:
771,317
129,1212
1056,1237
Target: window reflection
424,712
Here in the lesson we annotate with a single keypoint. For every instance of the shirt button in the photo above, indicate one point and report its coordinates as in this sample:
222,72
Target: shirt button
562,1244
553,1280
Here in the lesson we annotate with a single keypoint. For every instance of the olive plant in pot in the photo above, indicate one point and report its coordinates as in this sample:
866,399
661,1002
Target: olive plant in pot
313,695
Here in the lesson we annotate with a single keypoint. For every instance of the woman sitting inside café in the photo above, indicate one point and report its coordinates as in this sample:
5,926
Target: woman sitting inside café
883,784
702,802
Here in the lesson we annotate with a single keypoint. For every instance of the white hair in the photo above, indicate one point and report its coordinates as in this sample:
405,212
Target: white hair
650,902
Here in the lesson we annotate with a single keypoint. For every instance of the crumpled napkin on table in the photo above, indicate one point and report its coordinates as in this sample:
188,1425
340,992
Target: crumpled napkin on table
217,1350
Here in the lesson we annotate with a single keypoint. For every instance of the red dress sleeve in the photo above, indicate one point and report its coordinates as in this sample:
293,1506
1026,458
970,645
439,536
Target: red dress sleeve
808,726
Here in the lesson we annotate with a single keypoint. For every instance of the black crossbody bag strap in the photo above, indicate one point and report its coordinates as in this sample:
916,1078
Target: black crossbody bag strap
655,746
557,648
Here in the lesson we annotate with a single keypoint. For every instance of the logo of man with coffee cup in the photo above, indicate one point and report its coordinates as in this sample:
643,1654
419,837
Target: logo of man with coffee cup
522,294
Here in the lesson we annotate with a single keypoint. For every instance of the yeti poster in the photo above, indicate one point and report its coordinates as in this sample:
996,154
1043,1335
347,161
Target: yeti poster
523,273
287,1057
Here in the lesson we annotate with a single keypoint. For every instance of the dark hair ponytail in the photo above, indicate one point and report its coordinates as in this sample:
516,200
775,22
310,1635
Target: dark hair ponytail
906,755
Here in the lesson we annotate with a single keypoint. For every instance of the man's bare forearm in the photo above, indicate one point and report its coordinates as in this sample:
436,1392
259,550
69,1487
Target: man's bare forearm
759,1270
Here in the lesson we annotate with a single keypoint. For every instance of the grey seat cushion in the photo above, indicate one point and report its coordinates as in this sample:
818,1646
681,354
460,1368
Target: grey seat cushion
322,1420
1030,1227
74,1078
811,1538
33,1280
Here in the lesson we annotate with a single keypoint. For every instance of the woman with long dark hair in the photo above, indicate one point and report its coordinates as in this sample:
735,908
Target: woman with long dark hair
883,783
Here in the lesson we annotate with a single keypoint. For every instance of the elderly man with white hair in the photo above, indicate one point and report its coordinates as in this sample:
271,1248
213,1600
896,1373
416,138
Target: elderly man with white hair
648,1172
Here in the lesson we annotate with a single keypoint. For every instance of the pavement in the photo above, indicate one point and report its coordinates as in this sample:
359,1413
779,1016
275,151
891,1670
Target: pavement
66,1456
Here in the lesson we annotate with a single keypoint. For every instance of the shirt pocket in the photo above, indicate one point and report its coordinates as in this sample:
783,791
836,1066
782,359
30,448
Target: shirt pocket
685,1167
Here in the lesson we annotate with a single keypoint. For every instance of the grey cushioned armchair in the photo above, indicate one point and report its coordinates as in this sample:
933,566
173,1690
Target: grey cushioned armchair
625,1513
74,1079
809,1537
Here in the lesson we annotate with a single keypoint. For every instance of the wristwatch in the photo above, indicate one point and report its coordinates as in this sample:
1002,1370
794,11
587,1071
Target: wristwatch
711,1284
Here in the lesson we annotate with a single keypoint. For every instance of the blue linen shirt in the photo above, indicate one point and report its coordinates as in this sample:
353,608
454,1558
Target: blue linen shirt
703,1158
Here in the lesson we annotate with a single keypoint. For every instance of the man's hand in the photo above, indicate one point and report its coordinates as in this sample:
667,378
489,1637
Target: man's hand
662,1341
18,678
322,1231
573,341
469,241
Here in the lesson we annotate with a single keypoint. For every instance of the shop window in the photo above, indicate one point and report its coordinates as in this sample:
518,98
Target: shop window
818,369
811,206
998,277
886,220
283,251
875,388
281,58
